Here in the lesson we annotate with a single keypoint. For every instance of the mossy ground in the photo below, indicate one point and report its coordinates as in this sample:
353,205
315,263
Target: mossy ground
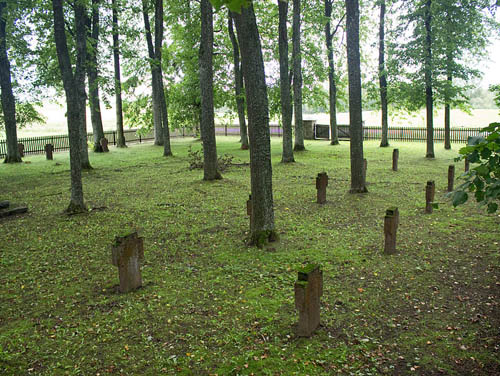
212,305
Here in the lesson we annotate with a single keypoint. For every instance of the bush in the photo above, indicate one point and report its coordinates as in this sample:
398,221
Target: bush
196,160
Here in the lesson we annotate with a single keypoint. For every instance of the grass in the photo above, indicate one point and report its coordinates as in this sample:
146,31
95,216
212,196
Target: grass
210,304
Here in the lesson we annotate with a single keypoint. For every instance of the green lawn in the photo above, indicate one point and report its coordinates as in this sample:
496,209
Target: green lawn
212,305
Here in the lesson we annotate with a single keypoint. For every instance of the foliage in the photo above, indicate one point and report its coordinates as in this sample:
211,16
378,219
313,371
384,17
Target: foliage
138,113
495,89
483,180
26,114
195,158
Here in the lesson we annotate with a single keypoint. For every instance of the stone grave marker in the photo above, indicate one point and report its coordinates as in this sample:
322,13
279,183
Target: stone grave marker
127,254
49,150
451,177
391,222
20,147
321,184
430,190
395,158
104,144
308,290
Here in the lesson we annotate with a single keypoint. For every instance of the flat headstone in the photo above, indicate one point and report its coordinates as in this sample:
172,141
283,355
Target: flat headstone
430,190
20,147
391,222
49,150
308,290
127,254
321,184
104,144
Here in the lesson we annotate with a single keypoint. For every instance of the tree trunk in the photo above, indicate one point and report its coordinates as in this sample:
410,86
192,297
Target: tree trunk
7,96
447,102
93,77
382,76
262,227
297,78
332,86
157,116
120,142
71,88
210,171
286,102
238,84
82,102
358,184
428,80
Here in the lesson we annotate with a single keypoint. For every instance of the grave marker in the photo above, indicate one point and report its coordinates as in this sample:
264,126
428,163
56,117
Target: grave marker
395,157
430,190
49,149
127,254
308,290
466,167
391,222
321,184
451,177
104,144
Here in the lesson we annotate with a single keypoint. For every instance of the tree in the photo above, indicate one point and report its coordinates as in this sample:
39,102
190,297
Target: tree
332,85
207,126
285,94
382,76
7,96
358,184
72,82
262,229
120,142
93,76
155,56
238,84
429,102
297,78
484,179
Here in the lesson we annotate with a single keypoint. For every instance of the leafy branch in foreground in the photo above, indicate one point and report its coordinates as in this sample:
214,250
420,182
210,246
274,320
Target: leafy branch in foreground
484,179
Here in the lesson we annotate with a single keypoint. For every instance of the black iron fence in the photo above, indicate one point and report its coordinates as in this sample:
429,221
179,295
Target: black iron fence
36,145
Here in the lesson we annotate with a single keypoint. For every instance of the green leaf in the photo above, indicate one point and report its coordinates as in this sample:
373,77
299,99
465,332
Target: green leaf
492,207
459,198
435,205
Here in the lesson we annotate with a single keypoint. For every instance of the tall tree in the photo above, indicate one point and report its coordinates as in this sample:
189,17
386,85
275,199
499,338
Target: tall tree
238,84
382,77
332,85
297,77
72,82
210,170
285,94
262,229
7,96
117,83
155,56
358,184
429,102
93,76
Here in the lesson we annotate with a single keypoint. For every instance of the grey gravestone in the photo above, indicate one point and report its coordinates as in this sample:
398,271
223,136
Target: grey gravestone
127,254
308,290
430,190
104,144
321,184
391,222
49,150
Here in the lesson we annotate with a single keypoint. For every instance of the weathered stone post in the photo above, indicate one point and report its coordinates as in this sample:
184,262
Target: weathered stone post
466,168
127,254
451,177
308,290
430,190
49,150
395,157
321,184
104,144
20,147
391,222
249,209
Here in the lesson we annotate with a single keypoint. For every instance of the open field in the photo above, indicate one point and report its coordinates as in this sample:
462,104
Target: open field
210,304
56,121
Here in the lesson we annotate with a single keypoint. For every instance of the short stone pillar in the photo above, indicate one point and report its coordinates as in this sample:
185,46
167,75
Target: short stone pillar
395,157
451,177
20,147
104,144
250,209
308,290
321,184
391,222
49,150
127,254
430,190
466,167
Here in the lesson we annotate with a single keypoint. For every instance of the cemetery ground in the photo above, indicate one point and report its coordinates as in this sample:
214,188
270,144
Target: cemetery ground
212,305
